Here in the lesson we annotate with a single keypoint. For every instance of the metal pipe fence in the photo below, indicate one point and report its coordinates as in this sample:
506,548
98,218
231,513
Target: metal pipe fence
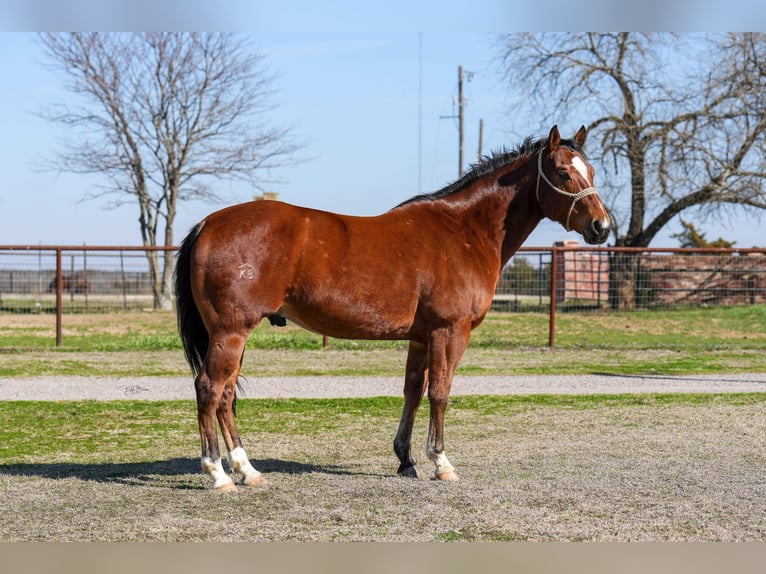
58,280
568,278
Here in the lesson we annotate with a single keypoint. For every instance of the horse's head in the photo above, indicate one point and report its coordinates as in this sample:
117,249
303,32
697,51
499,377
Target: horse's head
565,189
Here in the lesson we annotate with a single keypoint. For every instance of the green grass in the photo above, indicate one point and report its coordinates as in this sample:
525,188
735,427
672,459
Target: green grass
90,430
730,327
692,340
140,431
701,328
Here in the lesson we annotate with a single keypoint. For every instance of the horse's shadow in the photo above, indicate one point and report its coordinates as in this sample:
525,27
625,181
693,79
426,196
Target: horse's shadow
144,473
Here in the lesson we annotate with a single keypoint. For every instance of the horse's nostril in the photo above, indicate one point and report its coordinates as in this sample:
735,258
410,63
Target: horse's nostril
600,229
597,226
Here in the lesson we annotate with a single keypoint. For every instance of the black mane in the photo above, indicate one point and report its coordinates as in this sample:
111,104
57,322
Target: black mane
489,164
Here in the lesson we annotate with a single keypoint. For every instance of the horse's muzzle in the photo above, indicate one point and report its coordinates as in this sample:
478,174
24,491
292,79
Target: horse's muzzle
598,232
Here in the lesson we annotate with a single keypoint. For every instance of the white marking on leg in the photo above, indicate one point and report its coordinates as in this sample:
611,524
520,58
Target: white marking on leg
241,464
444,469
581,168
441,462
221,480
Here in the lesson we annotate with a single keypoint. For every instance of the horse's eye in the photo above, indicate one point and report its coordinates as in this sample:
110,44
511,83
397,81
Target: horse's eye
564,175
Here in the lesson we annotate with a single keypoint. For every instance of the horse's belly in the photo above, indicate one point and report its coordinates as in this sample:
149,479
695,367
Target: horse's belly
351,320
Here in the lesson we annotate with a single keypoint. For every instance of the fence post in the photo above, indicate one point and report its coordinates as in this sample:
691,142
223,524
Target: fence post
122,277
554,289
59,296
85,273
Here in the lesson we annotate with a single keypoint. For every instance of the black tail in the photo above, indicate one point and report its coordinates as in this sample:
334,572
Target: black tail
190,326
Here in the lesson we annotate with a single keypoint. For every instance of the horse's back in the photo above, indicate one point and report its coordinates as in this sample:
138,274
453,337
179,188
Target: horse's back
345,276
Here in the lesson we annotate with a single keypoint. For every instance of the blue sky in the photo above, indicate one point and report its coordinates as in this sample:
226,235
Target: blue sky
355,96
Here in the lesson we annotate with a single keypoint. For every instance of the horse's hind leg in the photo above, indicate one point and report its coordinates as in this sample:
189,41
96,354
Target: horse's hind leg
238,460
215,386
209,394
414,387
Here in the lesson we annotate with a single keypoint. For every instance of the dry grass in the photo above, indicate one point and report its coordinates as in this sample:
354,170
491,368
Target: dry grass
390,361
557,469
99,323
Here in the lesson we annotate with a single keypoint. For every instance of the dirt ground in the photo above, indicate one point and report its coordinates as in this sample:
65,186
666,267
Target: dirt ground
668,472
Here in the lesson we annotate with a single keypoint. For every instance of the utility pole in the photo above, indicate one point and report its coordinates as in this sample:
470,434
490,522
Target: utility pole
460,105
420,113
481,137
460,117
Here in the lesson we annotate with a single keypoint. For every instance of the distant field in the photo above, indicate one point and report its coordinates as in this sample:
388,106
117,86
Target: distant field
45,304
720,339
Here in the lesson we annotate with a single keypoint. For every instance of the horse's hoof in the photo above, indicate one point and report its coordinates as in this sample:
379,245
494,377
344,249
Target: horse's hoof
225,487
409,472
448,474
255,480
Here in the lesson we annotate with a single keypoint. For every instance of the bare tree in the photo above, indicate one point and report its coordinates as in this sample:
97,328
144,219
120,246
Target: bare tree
679,118
164,115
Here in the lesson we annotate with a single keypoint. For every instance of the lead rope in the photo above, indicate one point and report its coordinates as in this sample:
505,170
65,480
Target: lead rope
575,196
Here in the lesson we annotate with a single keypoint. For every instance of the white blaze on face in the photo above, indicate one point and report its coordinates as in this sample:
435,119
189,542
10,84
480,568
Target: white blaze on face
581,168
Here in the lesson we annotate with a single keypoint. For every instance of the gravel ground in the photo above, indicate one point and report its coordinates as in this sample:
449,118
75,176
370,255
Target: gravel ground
173,388
618,472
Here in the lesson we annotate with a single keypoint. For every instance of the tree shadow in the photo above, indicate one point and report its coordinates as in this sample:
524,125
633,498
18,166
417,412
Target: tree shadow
146,473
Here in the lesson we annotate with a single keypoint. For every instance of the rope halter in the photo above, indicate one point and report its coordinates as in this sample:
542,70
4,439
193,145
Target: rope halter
574,196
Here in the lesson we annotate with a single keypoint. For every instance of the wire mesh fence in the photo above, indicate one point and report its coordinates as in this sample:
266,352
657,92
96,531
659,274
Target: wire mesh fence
563,278
92,279
629,279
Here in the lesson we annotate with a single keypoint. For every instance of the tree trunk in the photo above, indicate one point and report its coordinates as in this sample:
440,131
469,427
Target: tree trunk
160,271
623,279
155,278
161,278
166,290
166,297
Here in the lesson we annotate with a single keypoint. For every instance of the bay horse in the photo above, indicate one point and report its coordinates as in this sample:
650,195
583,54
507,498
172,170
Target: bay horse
74,284
424,272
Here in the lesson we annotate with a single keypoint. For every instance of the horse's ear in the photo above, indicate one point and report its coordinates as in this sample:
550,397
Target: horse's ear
580,136
554,138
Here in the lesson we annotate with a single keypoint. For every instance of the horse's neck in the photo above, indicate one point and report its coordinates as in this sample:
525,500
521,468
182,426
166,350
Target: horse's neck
502,216
522,213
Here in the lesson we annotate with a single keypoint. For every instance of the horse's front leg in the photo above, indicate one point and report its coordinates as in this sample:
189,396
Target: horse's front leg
414,388
446,348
